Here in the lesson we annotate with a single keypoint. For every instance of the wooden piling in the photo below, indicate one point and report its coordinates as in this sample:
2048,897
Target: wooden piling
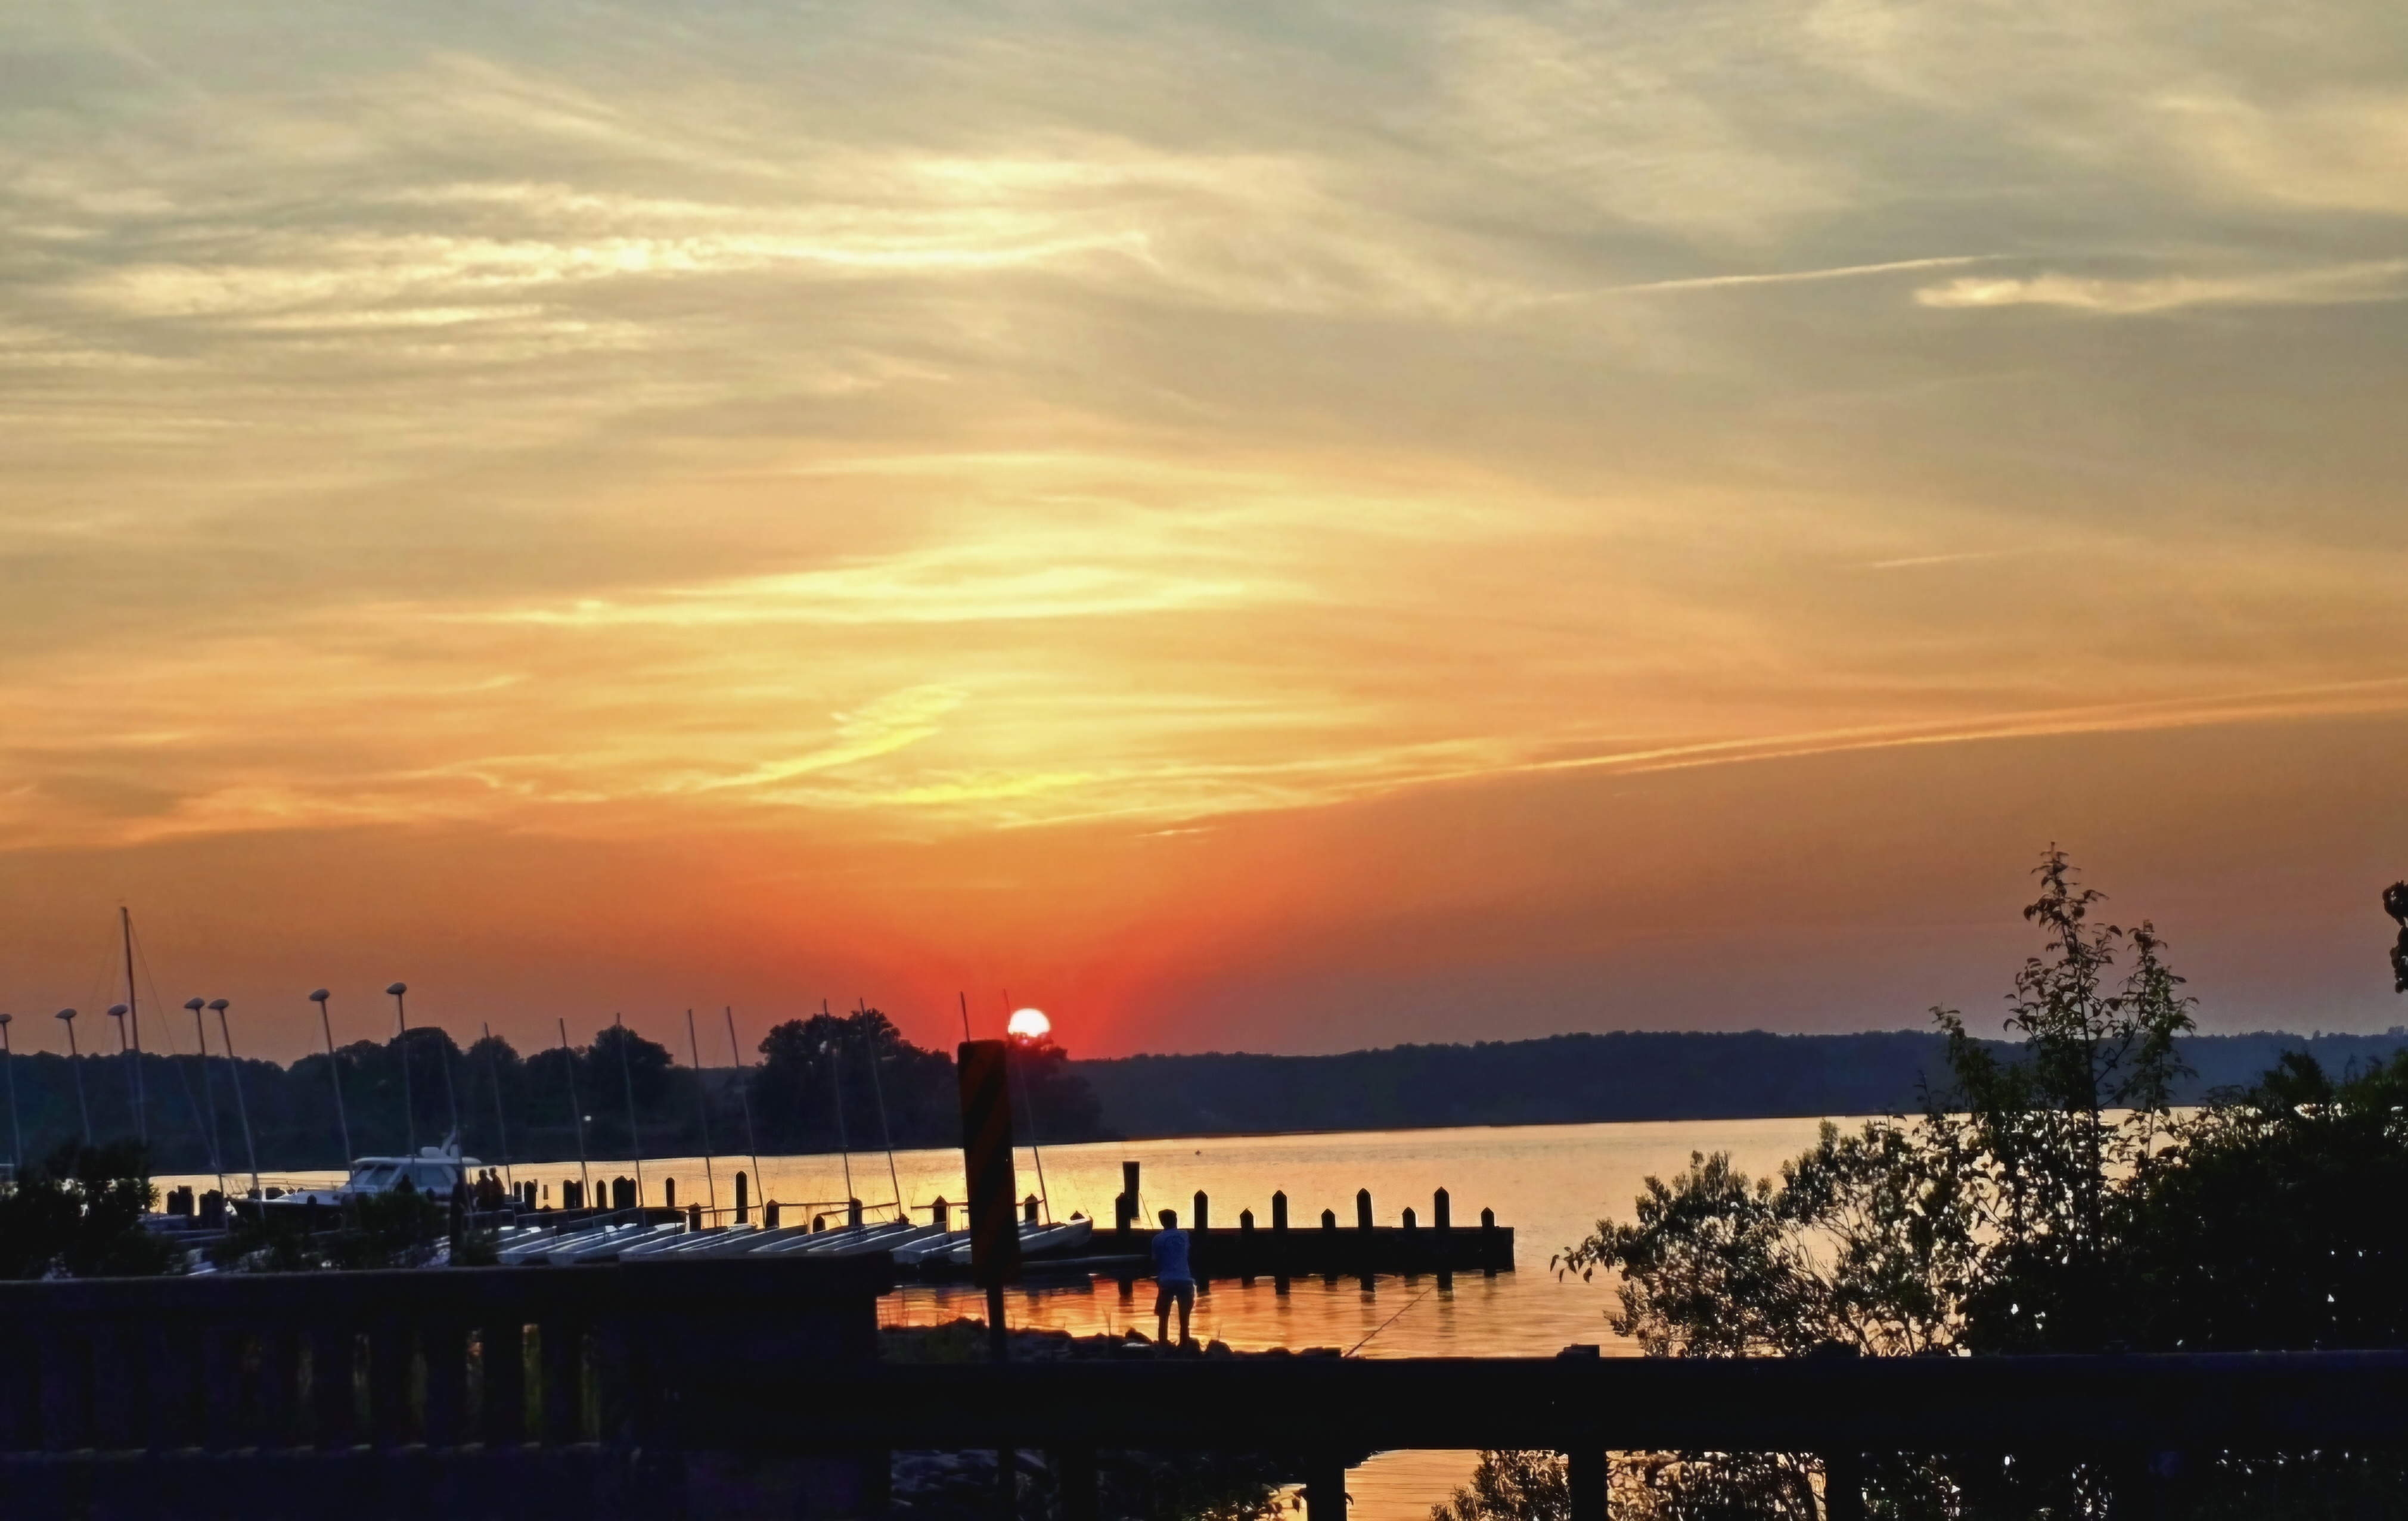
1443,1225
1028,1208
853,1213
1279,1242
1487,1239
743,1210
668,1192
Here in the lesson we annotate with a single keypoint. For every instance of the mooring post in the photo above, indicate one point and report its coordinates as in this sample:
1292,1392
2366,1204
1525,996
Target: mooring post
1279,1242
852,1214
694,1216
1028,1208
1246,1247
743,1209
668,1192
1443,1224
1365,1263
942,1213
1324,1490
1488,1243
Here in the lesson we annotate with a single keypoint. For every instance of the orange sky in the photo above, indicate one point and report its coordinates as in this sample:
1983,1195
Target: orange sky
1288,533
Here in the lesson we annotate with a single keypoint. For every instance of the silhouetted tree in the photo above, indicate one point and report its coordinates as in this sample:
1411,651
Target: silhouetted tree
78,1215
2049,1200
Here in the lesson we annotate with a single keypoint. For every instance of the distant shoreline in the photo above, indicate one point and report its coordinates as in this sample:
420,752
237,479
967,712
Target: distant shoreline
1608,1078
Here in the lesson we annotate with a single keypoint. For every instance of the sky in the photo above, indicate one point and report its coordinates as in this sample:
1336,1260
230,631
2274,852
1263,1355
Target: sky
1273,527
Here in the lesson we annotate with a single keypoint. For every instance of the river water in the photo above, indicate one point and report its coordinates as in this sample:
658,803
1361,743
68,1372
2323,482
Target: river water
1551,1183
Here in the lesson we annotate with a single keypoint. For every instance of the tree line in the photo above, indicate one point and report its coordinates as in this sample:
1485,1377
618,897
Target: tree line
818,1083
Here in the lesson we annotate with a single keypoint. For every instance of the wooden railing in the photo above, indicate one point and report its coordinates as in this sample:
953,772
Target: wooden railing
1321,1410
535,1382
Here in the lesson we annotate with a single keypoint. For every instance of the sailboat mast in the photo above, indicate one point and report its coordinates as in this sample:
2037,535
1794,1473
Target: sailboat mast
577,1113
134,1012
1044,1195
885,1133
702,1103
744,1094
634,1141
836,1081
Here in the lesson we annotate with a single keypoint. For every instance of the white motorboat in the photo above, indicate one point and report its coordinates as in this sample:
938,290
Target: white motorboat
433,1171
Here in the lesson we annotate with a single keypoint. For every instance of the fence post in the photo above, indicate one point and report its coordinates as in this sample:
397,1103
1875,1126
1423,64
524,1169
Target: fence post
502,1346
1584,1476
1081,1499
1843,1487
1324,1488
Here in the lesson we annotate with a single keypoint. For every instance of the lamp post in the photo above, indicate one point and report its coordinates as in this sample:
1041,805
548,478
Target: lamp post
401,1044
133,1070
218,1007
201,1034
75,1065
334,1072
16,1136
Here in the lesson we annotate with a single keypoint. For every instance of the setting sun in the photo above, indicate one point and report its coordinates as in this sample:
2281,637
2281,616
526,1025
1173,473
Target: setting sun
1030,1023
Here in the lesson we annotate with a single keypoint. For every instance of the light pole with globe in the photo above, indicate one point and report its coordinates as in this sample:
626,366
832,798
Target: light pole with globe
334,1072
218,1007
75,1065
16,1136
401,1044
201,1035
132,1070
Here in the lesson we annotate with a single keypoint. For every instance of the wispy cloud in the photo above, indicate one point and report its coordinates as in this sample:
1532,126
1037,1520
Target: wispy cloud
2383,279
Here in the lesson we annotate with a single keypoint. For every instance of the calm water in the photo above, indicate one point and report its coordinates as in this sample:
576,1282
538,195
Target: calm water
1550,1182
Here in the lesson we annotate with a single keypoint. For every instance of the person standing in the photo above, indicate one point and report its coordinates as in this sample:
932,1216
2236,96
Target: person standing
1174,1281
